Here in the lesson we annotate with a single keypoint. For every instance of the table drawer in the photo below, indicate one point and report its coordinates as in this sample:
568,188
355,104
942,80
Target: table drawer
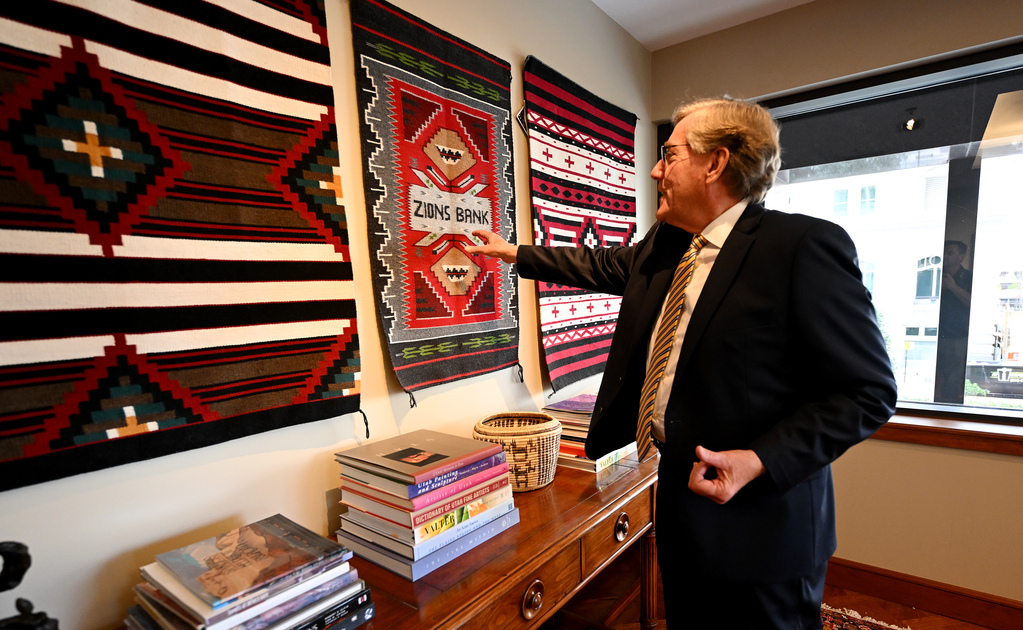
615,531
552,581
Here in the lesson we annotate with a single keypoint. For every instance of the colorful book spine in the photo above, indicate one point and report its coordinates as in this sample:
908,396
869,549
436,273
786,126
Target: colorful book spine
411,491
421,534
416,518
414,570
424,500
428,546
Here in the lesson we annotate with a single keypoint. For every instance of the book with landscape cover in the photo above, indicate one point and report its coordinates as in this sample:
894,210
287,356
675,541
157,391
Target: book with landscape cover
372,532
414,457
247,607
415,518
268,555
423,500
414,570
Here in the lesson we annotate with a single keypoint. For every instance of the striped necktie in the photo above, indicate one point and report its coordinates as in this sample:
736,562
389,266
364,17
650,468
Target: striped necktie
662,344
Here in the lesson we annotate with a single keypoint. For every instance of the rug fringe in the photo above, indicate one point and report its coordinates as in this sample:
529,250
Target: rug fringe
855,615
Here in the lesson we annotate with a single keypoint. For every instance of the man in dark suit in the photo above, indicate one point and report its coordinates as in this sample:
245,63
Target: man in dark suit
776,367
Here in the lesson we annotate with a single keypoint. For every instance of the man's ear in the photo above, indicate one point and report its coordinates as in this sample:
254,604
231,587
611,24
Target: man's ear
717,164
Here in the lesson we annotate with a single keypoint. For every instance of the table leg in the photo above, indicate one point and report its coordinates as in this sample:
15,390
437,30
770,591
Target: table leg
648,581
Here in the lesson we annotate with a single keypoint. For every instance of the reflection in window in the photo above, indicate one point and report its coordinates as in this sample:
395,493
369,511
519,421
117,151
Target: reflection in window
841,205
938,217
928,277
868,195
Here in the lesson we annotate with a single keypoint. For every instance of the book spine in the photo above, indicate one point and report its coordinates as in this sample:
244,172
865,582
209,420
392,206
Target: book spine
461,529
442,523
429,485
448,553
614,457
338,612
458,486
351,621
432,512
454,465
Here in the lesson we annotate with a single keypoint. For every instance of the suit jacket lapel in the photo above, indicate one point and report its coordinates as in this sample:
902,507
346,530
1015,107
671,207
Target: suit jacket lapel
727,265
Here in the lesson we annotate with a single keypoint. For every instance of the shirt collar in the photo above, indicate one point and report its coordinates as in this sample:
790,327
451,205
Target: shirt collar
718,230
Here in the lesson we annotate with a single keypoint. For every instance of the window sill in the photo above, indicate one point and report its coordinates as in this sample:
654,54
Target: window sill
967,435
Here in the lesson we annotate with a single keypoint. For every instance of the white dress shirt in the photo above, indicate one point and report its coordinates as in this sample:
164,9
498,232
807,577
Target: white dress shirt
716,233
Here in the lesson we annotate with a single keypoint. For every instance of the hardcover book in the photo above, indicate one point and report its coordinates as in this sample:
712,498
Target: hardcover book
422,516
311,610
411,491
414,570
414,457
271,554
437,526
224,618
423,500
387,540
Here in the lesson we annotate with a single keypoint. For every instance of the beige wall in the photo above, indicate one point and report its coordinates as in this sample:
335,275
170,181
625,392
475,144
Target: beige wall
946,515
824,42
89,534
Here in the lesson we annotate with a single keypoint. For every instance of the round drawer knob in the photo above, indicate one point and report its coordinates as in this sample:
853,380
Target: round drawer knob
532,601
622,527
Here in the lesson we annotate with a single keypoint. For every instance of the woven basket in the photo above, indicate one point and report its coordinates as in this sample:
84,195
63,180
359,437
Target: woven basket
531,442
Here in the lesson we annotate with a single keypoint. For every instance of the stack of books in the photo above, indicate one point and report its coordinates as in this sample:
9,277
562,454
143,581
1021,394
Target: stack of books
574,414
273,574
418,501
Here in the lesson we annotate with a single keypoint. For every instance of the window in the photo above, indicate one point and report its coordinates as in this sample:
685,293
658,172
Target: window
928,277
841,205
867,197
935,156
867,269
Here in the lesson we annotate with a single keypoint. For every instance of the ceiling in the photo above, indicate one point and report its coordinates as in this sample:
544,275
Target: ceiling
660,23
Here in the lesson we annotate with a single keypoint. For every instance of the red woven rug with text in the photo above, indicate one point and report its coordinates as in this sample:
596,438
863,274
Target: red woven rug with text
437,155
174,264
582,181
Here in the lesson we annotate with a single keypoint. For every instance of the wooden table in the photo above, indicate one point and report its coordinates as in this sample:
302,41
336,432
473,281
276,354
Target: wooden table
568,531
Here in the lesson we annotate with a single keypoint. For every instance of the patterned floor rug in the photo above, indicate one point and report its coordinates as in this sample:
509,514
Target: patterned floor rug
845,619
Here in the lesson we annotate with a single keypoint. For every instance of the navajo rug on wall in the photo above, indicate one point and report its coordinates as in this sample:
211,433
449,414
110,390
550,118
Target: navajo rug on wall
174,264
582,180
436,146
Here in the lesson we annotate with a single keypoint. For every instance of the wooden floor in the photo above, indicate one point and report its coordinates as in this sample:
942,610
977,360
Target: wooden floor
611,601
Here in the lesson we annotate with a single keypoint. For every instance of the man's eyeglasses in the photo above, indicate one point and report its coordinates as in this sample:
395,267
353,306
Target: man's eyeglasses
665,147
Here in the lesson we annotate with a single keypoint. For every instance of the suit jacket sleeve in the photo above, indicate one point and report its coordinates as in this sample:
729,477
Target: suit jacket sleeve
849,390
604,269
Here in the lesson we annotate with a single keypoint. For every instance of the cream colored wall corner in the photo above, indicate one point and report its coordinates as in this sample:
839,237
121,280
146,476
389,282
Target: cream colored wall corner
946,515
824,42
89,534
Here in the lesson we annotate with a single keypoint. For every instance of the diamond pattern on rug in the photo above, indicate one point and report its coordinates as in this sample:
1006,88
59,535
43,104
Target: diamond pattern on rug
174,258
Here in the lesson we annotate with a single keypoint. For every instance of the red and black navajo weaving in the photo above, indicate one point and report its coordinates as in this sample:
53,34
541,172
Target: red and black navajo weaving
582,180
174,266
436,146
